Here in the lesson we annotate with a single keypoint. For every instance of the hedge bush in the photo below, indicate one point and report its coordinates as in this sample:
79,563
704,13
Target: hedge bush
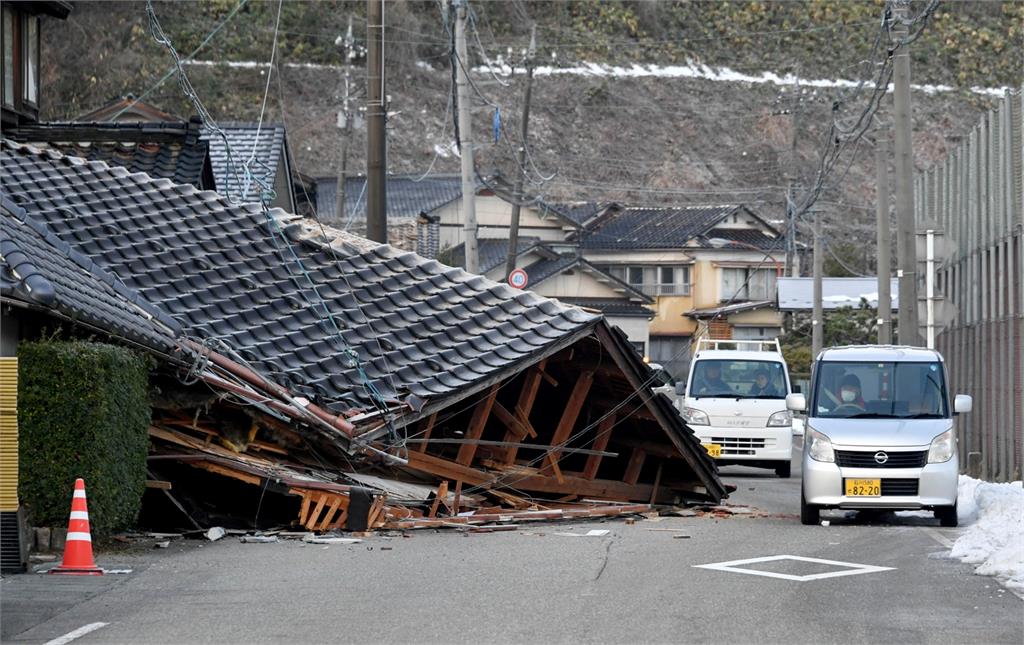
83,412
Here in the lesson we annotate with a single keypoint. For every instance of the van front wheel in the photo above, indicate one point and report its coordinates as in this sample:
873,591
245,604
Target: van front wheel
809,514
947,516
783,469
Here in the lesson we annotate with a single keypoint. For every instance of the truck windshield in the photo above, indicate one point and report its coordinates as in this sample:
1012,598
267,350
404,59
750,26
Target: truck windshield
738,379
880,390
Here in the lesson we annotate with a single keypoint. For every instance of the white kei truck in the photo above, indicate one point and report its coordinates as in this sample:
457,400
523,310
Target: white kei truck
735,402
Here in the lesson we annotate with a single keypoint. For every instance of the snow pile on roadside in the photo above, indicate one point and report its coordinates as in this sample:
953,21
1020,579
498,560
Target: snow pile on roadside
994,537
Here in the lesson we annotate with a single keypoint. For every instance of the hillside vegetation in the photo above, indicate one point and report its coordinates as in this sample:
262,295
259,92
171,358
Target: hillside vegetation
651,140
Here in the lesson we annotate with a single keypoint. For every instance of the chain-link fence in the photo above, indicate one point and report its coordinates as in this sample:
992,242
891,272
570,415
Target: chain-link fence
976,198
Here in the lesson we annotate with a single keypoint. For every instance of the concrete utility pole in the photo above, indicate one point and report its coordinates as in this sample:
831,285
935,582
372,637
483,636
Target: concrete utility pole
376,186
345,123
884,238
513,231
906,247
818,316
466,138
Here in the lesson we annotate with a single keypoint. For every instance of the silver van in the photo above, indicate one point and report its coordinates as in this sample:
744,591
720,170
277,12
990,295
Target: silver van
879,433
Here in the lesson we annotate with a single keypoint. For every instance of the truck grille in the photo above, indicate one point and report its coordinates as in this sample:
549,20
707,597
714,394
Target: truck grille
859,459
739,445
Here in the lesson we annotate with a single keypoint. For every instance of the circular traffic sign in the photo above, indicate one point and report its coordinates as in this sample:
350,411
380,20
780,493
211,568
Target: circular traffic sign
518,279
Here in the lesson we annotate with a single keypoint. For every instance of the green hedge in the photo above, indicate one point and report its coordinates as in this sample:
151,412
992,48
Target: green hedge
83,412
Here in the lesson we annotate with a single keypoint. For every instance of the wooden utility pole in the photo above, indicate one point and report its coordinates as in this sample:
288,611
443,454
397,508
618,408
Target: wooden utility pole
513,231
345,124
466,138
906,246
376,187
884,237
818,316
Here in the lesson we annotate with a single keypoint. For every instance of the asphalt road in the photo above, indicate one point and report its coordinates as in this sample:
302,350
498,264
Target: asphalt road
532,586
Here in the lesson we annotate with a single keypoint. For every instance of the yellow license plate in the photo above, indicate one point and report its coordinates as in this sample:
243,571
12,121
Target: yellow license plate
863,487
714,449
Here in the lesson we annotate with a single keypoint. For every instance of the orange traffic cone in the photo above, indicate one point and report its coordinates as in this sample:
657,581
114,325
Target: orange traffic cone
78,548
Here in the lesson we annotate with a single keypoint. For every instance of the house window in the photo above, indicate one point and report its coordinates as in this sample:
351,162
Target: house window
655,280
748,284
8,37
31,74
755,333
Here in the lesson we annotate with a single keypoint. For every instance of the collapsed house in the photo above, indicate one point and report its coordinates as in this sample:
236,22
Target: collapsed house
355,384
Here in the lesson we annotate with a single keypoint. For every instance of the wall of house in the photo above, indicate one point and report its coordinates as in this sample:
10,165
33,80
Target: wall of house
283,188
575,284
493,216
636,329
669,318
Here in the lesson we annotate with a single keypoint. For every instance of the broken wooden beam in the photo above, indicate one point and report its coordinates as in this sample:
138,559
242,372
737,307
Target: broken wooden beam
476,426
569,416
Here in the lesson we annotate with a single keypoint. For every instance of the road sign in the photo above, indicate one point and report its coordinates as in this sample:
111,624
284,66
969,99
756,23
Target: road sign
518,279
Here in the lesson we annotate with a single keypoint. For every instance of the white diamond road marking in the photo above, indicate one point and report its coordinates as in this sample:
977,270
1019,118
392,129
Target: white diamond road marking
735,566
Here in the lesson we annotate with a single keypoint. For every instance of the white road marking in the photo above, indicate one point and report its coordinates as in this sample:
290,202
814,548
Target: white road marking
938,537
78,633
850,568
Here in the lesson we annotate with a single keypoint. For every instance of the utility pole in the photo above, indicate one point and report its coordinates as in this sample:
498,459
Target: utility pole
465,138
376,186
818,316
345,123
513,231
884,237
906,245
792,256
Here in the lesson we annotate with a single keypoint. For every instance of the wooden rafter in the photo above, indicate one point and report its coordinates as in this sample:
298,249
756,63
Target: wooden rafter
636,464
476,426
524,406
604,435
429,429
569,417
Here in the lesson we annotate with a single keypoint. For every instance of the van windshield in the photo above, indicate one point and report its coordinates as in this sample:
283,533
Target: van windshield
745,379
880,391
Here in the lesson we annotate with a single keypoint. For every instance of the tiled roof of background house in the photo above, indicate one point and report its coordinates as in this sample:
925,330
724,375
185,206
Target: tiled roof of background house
41,271
653,228
611,306
272,291
406,198
493,253
171,150
268,148
578,213
743,238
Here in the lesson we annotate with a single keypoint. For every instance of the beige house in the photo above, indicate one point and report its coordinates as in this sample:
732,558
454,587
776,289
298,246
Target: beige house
708,268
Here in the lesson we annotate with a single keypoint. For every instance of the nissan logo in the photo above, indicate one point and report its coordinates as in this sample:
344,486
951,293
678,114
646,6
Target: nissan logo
881,457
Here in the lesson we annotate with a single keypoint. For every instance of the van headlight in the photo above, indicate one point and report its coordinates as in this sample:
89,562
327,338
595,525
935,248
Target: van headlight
695,417
819,447
781,419
941,449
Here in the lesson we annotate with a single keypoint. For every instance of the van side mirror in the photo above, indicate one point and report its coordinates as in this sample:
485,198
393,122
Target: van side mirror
963,403
680,387
796,403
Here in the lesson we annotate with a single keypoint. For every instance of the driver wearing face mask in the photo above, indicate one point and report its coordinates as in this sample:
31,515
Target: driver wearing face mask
849,392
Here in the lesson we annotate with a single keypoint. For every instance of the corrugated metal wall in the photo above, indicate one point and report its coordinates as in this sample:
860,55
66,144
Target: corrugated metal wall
976,196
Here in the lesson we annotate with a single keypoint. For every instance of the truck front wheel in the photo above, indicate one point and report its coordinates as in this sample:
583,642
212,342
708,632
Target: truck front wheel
783,469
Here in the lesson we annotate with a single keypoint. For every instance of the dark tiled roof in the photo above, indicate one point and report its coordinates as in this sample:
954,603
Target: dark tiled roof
493,253
611,306
167,150
725,310
653,228
40,270
578,213
406,197
268,147
225,272
742,238
541,270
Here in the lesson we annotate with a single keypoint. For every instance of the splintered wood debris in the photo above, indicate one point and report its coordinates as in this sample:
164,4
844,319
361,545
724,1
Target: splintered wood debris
573,436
